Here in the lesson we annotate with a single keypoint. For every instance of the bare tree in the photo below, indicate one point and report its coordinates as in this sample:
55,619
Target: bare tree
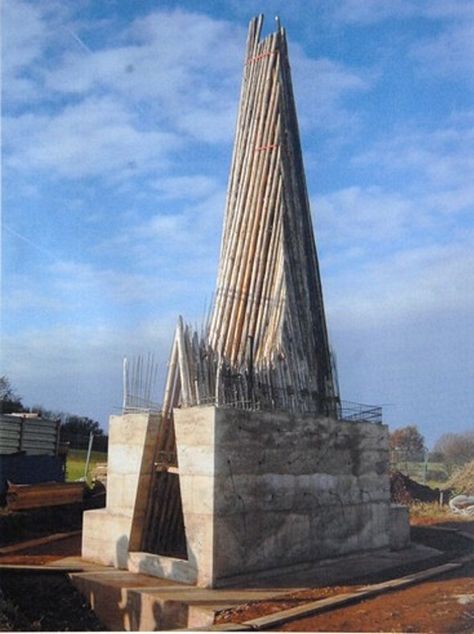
9,400
456,449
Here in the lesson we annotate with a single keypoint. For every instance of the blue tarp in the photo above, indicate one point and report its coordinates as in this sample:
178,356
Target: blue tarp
22,469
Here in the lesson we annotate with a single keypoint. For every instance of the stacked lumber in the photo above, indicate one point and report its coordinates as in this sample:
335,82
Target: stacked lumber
30,496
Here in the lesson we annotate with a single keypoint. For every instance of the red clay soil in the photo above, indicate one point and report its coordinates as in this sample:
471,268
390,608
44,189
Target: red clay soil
43,602
441,605
444,604
45,553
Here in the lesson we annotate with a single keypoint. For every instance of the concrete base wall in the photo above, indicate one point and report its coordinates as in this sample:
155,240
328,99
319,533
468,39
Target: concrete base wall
108,534
262,490
399,527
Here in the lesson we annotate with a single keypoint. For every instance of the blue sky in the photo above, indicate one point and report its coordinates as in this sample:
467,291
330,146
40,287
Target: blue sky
118,121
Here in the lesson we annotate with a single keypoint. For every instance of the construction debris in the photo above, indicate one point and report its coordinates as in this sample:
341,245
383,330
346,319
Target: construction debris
404,490
462,480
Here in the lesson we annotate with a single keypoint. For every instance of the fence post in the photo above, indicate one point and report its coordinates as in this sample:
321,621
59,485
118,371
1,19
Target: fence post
22,430
89,449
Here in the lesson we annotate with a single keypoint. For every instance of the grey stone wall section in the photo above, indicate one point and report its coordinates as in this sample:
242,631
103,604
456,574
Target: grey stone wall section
264,490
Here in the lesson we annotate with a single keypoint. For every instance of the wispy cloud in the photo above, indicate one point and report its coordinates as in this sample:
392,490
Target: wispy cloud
449,55
96,137
422,282
167,80
368,12
442,157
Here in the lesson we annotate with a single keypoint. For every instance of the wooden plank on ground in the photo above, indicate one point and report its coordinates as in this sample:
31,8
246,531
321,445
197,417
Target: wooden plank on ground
22,568
308,609
38,541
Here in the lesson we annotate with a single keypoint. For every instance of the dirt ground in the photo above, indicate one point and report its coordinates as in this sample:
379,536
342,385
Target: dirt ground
29,601
444,604
43,601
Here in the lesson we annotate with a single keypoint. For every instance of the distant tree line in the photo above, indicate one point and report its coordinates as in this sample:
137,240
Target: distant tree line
453,449
75,430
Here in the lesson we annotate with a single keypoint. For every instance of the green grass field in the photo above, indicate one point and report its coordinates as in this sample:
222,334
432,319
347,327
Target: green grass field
434,474
76,462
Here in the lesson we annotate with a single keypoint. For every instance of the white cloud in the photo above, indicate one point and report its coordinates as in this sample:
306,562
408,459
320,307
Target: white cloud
97,136
369,12
168,61
321,87
186,187
78,368
443,158
410,284
169,79
358,216
449,54
23,42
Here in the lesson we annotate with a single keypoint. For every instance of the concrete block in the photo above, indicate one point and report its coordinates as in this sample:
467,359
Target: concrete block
200,545
107,534
123,459
399,527
122,492
196,425
130,429
159,566
112,596
105,537
196,460
266,487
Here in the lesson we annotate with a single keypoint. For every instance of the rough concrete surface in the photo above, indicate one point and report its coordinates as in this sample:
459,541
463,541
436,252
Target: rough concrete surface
269,489
109,534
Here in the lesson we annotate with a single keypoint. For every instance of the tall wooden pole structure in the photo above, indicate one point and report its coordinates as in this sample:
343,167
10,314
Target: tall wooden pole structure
266,343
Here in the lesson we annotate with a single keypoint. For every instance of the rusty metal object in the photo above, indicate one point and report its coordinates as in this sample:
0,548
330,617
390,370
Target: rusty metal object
30,496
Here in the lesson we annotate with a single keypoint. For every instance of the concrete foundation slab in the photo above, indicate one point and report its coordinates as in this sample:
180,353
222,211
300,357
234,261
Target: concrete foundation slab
166,567
136,602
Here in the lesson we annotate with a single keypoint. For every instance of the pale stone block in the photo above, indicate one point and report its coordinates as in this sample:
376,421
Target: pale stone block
159,566
203,494
122,492
197,493
105,537
131,429
265,489
199,529
196,460
155,612
107,534
248,494
399,527
124,459
195,425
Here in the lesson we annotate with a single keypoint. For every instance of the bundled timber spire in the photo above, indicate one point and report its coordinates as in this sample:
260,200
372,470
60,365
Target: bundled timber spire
266,343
